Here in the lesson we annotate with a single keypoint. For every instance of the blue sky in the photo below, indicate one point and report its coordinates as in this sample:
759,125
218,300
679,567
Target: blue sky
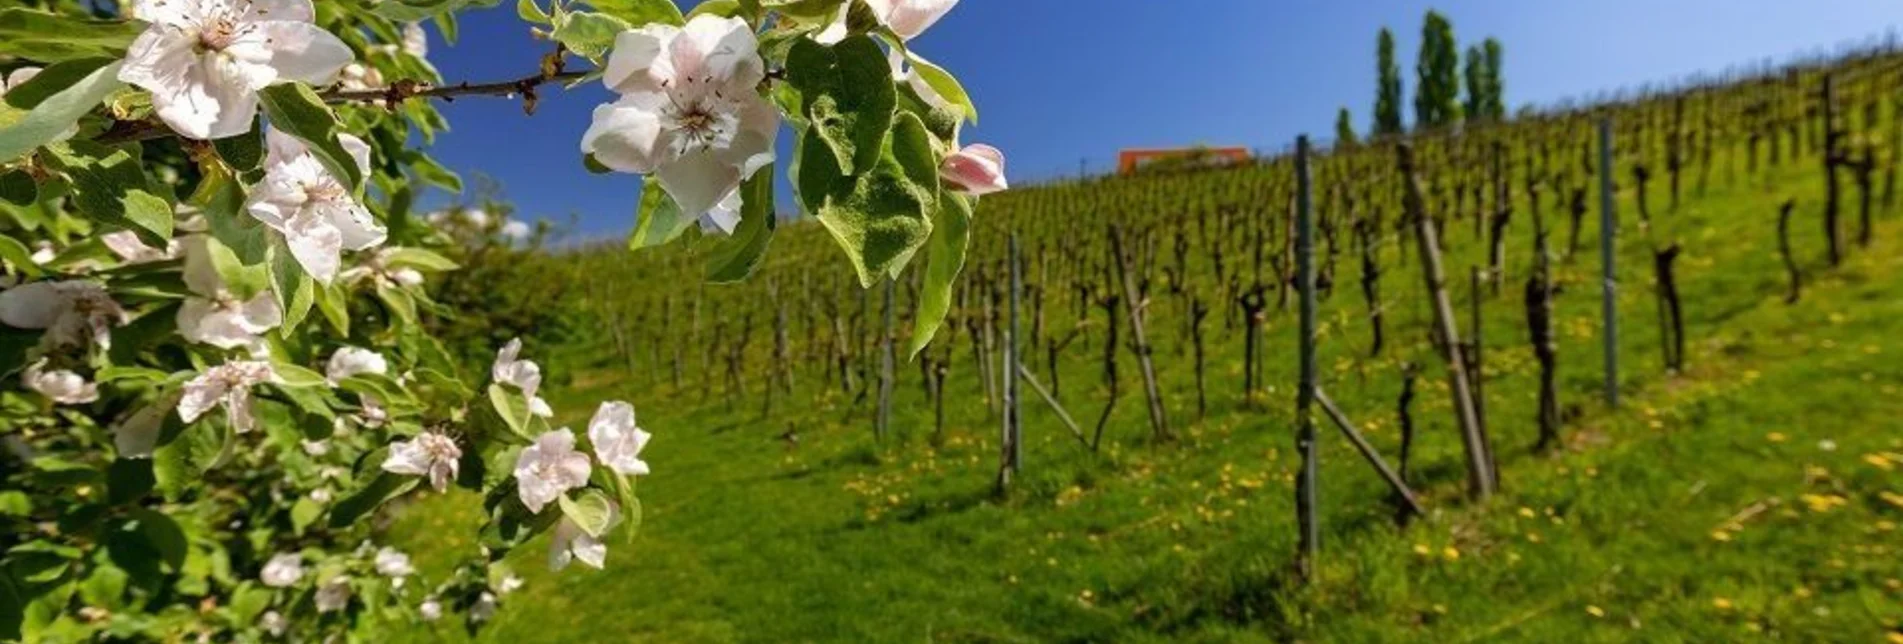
1059,81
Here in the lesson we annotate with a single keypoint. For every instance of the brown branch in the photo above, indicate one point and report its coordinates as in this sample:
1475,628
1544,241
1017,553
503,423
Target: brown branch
404,90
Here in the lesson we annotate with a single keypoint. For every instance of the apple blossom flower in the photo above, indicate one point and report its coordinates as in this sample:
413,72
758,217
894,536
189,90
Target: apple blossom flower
570,542
314,210
61,386
724,217
976,170
283,570
274,623
415,40
516,231
204,61
17,78
227,385
907,18
376,268
213,315
510,583
392,563
321,495
431,609
359,77
484,608
71,311
617,440
549,468
689,112
350,361
334,595
132,250
510,370
429,454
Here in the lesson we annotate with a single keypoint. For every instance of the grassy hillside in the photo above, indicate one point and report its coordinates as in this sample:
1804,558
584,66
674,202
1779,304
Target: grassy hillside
1756,494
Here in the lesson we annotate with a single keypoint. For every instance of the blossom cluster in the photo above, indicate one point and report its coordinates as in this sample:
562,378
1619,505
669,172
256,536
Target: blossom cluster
214,300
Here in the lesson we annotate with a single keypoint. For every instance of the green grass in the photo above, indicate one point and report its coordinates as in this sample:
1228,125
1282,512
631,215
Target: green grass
1705,509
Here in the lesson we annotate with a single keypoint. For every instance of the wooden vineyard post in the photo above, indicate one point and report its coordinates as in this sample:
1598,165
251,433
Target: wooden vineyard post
1305,493
1479,473
1011,440
1608,240
1134,303
887,358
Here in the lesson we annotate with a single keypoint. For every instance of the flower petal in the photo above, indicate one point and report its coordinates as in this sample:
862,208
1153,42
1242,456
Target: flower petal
302,51
626,136
698,181
32,306
636,61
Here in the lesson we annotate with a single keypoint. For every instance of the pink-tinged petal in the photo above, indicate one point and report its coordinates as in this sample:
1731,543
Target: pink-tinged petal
635,64
626,136
752,146
718,49
698,181
299,51
978,170
32,306
260,314
281,148
201,394
909,18
169,13
238,408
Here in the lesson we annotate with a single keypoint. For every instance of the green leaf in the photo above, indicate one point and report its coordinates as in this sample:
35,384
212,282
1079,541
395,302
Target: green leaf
590,35
163,535
591,511
295,291
129,479
304,513
54,116
399,303
183,462
951,235
46,37
531,11
513,408
297,110
18,188
944,83
290,375
658,219
243,152
720,8
221,199
847,97
882,218
740,254
17,255
382,488
110,187
244,282
416,10
334,302
418,258
641,12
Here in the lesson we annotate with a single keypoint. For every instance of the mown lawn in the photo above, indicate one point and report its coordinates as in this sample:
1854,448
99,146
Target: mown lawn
1757,495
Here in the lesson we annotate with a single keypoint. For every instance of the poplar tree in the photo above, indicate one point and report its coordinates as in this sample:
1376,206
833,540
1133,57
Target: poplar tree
1437,102
1387,100
1345,129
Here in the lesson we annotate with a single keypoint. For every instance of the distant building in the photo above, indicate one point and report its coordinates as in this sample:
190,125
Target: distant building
1175,159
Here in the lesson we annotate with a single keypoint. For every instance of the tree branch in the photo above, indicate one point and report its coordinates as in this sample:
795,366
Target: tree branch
404,90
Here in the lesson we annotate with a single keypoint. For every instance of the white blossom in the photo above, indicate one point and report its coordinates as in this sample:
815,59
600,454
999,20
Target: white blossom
376,267
216,316
724,217
61,386
393,563
516,231
570,542
415,40
484,608
314,210
204,61
689,112
17,78
359,77
71,311
429,454
509,369
334,595
617,440
350,361
510,583
227,385
283,570
321,495
274,623
549,468
132,250
431,609
907,18
978,169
